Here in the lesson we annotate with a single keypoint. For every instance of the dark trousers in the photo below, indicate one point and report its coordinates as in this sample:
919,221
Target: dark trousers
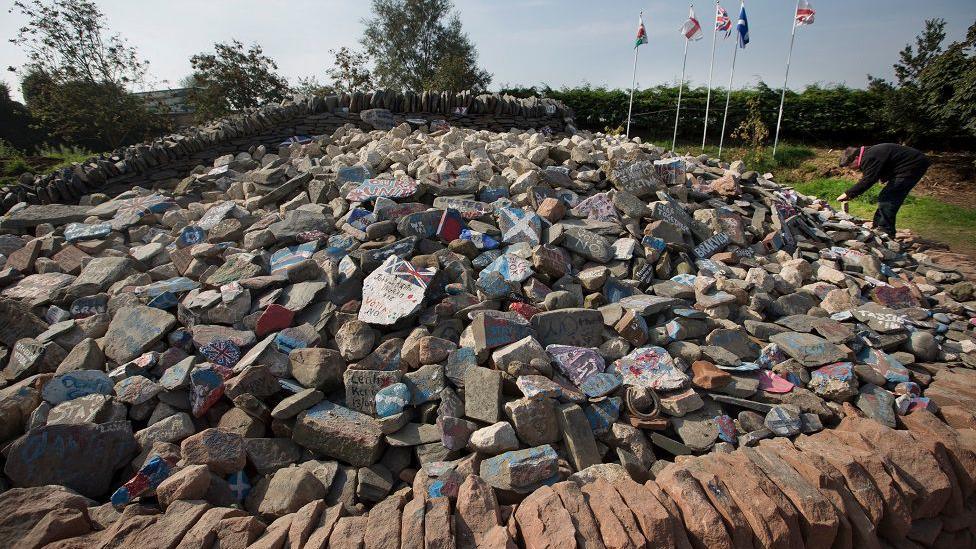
891,198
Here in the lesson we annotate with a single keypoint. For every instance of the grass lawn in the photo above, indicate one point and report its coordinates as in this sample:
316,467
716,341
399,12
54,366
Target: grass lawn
928,217
45,160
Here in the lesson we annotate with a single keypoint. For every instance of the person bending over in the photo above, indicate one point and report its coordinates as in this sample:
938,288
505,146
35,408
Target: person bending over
899,166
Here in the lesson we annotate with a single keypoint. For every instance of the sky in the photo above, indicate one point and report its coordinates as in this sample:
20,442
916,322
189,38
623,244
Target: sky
532,42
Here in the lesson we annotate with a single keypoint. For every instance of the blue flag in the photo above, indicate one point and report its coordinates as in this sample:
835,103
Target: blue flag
743,27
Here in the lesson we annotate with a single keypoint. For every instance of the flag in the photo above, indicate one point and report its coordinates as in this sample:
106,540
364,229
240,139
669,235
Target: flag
641,33
692,28
723,22
743,27
805,13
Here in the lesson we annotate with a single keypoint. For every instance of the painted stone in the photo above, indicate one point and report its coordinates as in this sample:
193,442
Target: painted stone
651,367
598,207
145,481
601,384
461,181
393,291
286,257
520,470
512,268
222,351
772,383
77,232
450,226
206,388
274,318
392,399
72,385
239,485
363,385
518,225
576,363
400,187
884,364
603,413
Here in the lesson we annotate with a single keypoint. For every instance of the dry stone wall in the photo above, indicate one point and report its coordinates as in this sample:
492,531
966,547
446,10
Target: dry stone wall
172,157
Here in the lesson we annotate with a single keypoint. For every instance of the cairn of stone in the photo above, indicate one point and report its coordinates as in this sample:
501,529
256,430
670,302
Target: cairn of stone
405,333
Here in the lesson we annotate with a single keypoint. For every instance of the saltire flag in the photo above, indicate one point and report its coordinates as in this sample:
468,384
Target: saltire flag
805,13
692,28
641,33
743,27
723,23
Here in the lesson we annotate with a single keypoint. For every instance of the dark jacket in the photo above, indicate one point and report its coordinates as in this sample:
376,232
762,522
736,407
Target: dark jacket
889,162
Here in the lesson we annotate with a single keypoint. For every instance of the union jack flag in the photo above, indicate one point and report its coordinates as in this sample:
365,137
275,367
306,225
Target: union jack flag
405,271
805,13
723,22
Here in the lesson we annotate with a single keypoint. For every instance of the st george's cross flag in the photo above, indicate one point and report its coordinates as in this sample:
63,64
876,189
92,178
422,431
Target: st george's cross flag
743,27
692,28
641,33
723,23
805,13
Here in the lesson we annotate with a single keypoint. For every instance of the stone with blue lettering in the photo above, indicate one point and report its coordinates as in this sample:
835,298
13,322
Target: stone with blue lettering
72,385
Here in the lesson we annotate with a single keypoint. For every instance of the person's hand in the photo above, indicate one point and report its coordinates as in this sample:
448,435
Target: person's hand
843,198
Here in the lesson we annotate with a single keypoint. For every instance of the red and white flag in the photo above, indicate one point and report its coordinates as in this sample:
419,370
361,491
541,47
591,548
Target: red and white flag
723,23
641,32
692,28
805,13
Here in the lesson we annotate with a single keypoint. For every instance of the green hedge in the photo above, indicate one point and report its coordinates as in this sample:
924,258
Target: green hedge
817,114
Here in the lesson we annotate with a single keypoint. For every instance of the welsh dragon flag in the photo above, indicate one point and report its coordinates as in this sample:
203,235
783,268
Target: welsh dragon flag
641,33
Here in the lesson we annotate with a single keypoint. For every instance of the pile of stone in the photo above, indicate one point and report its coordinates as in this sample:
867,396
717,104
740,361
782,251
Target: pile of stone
294,119
484,335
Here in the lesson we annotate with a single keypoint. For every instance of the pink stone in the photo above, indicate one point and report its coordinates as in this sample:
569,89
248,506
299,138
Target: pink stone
772,383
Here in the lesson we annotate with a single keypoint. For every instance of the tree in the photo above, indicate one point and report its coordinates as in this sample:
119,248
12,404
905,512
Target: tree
419,44
933,96
77,77
232,78
349,72
310,85
16,122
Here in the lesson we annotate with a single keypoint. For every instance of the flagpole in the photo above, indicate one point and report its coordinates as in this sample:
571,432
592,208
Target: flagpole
633,84
711,65
728,97
681,88
782,97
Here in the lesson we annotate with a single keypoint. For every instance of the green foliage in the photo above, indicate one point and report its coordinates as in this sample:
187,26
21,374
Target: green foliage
934,96
349,72
96,115
817,114
232,78
419,44
76,79
16,124
753,132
